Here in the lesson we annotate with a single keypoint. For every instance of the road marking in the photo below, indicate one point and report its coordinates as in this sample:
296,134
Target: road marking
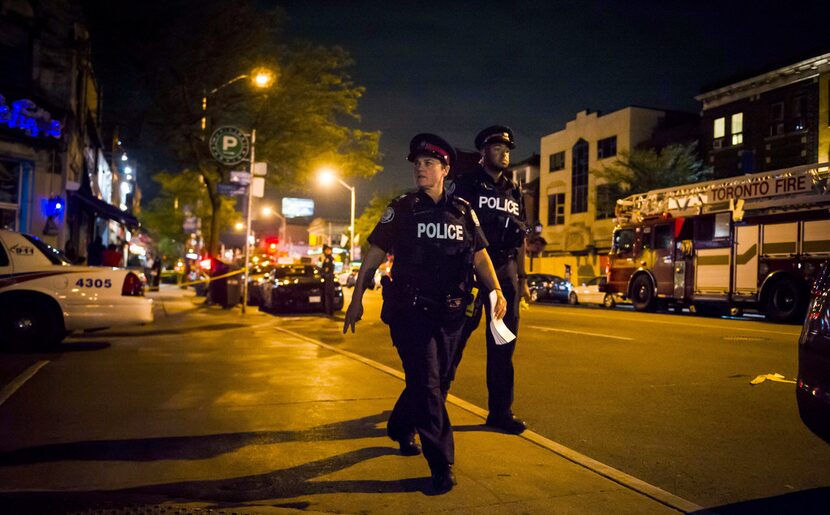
606,471
20,380
666,322
541,328
776,377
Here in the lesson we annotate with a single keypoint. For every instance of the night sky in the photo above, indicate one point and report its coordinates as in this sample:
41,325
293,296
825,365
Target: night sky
455,67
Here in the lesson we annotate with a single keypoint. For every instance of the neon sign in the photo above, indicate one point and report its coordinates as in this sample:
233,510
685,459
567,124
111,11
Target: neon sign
28,117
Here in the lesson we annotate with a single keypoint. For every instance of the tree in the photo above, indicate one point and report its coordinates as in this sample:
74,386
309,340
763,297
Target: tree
306,119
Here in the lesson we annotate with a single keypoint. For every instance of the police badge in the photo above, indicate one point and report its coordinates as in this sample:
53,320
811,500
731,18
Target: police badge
388,215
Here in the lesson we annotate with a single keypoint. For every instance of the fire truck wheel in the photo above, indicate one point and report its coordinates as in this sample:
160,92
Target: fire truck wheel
642,294
785,301
608,301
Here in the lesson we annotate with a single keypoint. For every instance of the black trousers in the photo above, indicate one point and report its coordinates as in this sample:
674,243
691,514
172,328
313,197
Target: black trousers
426,345
328,294
499,357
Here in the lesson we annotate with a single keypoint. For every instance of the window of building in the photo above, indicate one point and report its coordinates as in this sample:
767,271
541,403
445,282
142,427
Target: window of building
579,177
776,111
9,193
556,209
607,147
737,128
719,128
557,161
607,195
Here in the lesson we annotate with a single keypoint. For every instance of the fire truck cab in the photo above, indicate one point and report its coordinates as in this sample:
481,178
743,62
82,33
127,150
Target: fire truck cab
755,241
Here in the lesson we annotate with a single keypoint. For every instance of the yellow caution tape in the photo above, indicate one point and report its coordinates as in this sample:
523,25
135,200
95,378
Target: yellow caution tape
209,279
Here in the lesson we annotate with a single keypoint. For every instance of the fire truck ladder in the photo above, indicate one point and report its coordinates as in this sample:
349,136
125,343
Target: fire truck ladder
811,185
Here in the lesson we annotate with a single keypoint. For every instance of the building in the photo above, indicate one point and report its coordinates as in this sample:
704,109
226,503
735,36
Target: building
526,174
55,181
576,208
770,121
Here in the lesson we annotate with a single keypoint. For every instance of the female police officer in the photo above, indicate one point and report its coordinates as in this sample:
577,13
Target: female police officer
436,241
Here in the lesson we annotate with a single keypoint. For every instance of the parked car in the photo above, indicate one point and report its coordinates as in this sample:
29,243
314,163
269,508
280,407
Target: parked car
591,292
813,384
548,287
348,276
43,297
297,287
260,274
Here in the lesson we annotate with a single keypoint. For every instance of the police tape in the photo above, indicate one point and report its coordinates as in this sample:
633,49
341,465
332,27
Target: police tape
223,276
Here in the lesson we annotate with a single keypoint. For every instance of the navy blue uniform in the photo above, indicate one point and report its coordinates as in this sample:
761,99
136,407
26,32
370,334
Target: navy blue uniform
501,211
433,246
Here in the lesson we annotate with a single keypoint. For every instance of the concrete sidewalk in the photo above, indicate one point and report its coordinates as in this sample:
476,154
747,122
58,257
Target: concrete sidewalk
307,435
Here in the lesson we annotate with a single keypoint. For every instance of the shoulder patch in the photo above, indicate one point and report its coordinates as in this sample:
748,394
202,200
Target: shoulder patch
388,215
450,187
474,217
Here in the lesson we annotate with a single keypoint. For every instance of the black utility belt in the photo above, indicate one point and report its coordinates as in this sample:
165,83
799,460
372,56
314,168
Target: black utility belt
502,255
408,295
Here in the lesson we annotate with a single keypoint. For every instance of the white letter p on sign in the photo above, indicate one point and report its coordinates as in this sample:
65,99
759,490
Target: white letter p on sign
229,142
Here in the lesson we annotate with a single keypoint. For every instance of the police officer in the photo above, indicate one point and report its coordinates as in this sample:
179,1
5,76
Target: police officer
498,203
436,241
327,270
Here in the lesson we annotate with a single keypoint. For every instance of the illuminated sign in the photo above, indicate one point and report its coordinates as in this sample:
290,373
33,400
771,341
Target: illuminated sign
296,207
28,117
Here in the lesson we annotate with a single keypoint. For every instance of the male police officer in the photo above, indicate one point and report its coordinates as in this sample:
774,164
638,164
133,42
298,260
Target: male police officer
498,202
436,241
327,271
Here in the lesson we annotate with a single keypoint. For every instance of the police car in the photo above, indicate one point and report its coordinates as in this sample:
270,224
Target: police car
43,297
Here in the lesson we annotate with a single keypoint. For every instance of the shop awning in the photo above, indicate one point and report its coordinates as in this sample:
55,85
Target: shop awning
106,210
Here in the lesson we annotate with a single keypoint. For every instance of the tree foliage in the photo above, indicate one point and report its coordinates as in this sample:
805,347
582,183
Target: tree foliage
307,118
642,170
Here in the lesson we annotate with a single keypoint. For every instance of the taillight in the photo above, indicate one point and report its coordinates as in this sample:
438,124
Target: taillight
133,286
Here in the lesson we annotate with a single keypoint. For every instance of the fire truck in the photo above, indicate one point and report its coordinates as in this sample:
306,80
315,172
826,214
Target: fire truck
755,241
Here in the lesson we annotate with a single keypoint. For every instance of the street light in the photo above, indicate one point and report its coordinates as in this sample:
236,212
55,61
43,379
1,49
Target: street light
327,176
260,78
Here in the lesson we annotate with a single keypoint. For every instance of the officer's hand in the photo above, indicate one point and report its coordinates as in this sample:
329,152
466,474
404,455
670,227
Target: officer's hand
525,291
501,306
353,315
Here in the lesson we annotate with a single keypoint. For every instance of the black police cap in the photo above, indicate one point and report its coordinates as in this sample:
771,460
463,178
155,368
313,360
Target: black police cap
495,134
431,145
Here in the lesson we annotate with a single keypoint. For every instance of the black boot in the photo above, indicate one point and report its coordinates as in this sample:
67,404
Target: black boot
409,447
509,424
443,480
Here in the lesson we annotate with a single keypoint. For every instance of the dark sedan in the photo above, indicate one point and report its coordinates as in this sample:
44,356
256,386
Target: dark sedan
548,287
297,287
813,388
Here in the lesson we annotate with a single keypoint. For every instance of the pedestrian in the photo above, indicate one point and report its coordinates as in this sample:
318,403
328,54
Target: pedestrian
95,252
111,256
498,203
436,241
327,269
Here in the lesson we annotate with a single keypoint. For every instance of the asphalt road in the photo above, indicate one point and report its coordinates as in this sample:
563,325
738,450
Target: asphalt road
664,397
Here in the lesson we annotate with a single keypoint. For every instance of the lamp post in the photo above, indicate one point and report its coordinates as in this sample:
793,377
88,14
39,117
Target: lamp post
327,176
261,78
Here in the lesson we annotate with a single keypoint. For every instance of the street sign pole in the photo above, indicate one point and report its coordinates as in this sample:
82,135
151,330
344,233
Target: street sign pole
248,229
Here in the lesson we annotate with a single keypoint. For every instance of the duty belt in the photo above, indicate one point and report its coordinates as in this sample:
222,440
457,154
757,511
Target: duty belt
501,256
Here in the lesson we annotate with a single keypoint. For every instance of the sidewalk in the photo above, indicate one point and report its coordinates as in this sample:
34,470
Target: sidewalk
307,436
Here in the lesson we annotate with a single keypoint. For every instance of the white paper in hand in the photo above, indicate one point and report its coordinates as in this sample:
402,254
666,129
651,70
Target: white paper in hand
501,334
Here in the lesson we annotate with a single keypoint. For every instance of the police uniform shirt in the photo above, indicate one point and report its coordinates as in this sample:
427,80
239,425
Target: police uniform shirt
433,242
498,204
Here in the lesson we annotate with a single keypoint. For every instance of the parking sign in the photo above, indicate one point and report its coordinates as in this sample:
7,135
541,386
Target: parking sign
229,145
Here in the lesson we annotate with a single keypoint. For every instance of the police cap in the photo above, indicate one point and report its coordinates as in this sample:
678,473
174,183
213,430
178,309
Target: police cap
495,134
431,145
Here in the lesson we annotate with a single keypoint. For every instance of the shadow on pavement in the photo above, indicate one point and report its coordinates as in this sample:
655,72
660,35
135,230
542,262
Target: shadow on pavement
189,447
172,330
805,502
223,493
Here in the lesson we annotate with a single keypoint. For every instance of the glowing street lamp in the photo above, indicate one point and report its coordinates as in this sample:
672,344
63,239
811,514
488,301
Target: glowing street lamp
326,177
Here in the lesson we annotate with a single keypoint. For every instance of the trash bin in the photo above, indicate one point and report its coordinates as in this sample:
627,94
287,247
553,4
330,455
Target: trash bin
226,291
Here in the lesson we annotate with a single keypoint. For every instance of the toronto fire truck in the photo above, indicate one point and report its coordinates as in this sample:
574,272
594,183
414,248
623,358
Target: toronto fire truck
754,241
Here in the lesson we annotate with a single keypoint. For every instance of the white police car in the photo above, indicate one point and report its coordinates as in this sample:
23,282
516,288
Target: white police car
43,297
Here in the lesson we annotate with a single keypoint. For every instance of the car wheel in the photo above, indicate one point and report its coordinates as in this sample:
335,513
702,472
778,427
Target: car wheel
572,300
785,302
28,325
642,294
608,301
534,295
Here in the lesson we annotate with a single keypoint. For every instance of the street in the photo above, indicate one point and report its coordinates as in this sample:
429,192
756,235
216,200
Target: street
664,398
